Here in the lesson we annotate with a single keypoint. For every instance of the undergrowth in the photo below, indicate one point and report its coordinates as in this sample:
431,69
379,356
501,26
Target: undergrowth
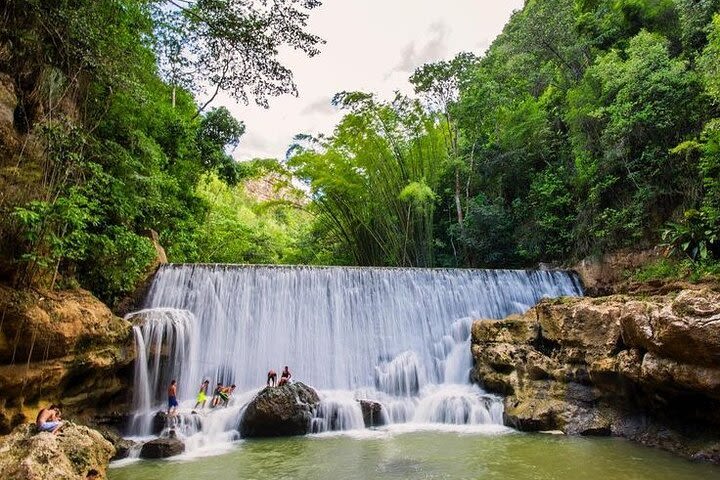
673,269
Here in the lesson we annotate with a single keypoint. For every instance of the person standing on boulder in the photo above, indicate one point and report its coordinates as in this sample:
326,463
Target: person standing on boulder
172,398
48,420
272,377
285,376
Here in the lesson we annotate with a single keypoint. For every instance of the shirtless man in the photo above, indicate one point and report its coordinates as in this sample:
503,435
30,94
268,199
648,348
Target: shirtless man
48,420
285,376
225,394
272,377
172,398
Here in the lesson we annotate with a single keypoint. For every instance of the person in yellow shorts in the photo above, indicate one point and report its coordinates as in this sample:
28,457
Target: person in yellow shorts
202,394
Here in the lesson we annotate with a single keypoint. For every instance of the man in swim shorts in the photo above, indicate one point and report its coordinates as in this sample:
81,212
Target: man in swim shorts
48,420
272,377
172,398
225,394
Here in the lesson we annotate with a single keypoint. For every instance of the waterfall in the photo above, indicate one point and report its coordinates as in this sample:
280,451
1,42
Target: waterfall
400,337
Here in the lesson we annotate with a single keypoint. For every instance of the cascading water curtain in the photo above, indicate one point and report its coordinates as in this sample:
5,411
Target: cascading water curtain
400,337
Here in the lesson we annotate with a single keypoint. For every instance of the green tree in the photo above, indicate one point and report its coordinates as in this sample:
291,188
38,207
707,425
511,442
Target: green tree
231,46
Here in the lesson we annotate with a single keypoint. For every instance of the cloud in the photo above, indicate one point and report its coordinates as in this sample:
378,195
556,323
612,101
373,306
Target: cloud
435,48
322,106
254,141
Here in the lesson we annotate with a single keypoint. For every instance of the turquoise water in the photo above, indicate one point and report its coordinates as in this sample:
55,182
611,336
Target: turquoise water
428,455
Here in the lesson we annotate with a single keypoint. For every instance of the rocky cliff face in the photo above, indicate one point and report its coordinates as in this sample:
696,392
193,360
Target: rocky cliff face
61,347
644,368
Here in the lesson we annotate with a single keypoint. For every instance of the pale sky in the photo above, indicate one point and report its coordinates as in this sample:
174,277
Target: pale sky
372,46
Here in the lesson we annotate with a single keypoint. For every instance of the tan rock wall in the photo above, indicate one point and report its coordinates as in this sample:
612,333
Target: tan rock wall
60,347
583,365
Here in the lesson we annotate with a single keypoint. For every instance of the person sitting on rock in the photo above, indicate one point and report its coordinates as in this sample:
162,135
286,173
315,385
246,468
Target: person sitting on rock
272,377
172,398
48,420
202,394
216,395
225,394
285,376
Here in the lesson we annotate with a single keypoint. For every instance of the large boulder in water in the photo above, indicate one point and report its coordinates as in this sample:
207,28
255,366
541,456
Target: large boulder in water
28,455
280,411
162,448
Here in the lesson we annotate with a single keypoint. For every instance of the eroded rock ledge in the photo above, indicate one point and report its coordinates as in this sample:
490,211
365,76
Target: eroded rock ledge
64,347
643,368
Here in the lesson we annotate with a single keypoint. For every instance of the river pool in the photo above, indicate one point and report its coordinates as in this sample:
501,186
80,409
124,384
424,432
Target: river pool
426,455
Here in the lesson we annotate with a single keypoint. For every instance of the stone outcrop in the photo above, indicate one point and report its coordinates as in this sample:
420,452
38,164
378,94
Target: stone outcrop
616,365
372,413
280,411
64,347
606,274
28,455
162,421
611,274
162,448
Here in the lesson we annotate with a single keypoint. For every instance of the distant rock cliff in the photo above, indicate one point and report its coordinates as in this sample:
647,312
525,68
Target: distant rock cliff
644,368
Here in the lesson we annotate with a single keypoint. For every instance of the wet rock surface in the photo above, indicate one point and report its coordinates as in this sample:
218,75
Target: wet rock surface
28,455
372,413
162,448
642,368
280,411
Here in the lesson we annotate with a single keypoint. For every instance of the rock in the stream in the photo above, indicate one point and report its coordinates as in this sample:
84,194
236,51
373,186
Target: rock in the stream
372,413
280,411
159,422
28,455
122,445
162,448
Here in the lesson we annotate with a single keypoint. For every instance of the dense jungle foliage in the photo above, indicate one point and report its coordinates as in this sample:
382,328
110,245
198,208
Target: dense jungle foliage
108,142
588,126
